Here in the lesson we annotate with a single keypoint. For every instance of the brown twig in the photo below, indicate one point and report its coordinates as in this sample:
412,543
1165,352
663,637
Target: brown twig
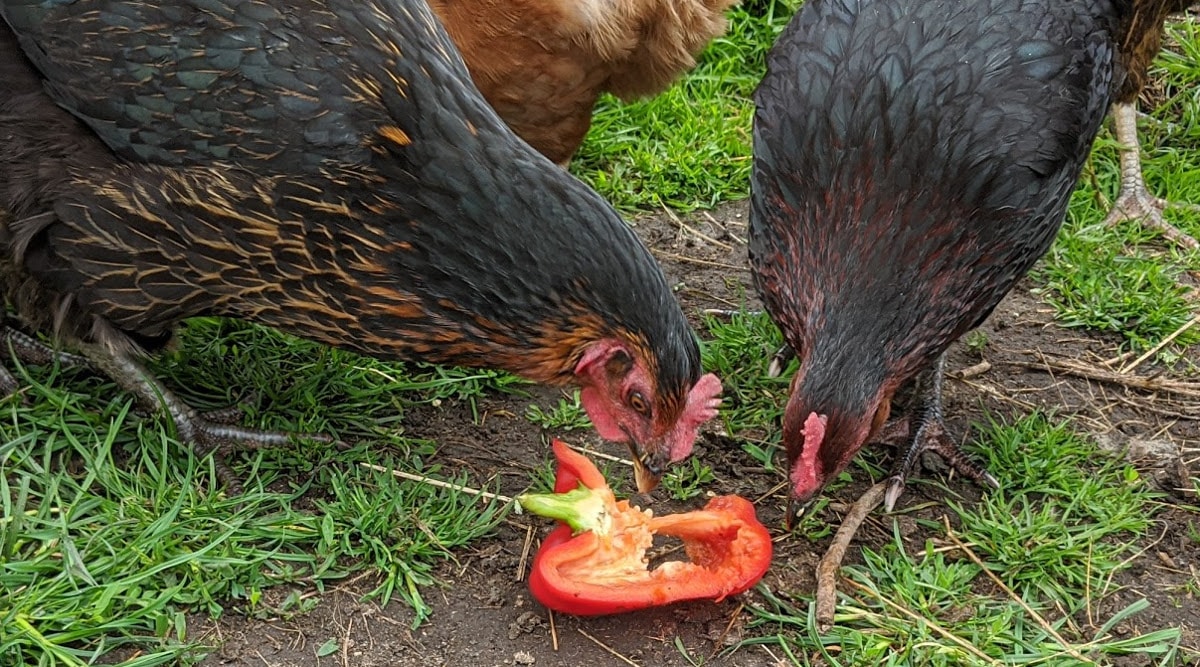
553,632
1146,383
775,489
1108,363
695,232
608,648
1161,344
725,633
601,455
973,371
695,260
525,553
832,560
438,483
970,553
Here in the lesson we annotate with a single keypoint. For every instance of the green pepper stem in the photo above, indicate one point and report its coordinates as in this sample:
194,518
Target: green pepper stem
580,508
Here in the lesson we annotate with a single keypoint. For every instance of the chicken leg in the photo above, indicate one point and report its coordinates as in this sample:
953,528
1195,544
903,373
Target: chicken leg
1134,201
779,361
210,432
30,350
929,435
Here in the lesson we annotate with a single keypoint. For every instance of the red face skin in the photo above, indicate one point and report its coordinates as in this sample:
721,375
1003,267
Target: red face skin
821,445
619,395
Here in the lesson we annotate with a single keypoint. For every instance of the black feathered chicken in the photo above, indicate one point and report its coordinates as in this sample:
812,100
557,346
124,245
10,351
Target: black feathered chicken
328,169
912,160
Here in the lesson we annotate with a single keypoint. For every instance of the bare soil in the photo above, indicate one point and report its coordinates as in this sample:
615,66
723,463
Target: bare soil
485,616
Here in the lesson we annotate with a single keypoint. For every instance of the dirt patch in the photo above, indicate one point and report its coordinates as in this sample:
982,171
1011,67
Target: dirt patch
485,616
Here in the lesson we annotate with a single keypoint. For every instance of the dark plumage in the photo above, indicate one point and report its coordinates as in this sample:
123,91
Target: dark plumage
1139,38
913,159
326,168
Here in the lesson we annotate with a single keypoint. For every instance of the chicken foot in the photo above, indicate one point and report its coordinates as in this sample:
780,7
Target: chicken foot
929,435
208,432
1134,201
30,350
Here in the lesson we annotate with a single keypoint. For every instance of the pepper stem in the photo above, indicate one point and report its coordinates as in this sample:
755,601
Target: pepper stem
581,508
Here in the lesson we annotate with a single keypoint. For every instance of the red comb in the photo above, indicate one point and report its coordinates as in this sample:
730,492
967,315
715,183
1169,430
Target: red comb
804,473
702,403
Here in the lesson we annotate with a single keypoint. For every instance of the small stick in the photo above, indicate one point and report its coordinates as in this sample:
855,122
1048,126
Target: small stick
1161,344
1117,359
525,553
602,455
1148,383
346,643
553,632
608,648
832,560
703,262
438,483
974,371
728,626
776,489
1016,598
699,234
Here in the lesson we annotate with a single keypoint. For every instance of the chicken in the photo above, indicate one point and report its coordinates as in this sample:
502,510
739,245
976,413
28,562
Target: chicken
328,169
1140,39
543,63
912,160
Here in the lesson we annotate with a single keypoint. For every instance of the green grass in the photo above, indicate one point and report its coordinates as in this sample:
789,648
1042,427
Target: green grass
1063,523
110,534
690,146
107,539
1126,280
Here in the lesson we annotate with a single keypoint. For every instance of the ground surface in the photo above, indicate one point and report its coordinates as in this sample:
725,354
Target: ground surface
485,616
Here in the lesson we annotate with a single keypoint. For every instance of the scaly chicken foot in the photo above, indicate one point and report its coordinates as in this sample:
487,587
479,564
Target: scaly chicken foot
929,436
207,433
1134,201
30,350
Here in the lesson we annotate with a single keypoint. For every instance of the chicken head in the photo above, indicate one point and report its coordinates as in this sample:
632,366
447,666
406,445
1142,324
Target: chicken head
624,404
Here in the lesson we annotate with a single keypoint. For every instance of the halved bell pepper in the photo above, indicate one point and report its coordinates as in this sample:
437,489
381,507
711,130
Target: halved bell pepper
595,562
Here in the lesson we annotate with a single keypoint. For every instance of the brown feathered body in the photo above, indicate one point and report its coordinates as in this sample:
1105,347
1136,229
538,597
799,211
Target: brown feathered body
326,168
543,63
1139,40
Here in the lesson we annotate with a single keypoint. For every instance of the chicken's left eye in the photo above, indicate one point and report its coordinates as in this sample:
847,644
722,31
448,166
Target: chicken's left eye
638,403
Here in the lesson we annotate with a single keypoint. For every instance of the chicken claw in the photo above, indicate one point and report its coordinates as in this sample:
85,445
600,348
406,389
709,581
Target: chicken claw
1134,201
929,436
30,350
207,433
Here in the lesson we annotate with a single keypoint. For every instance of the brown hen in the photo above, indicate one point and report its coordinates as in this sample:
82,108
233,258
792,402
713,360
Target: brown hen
328,169
543,63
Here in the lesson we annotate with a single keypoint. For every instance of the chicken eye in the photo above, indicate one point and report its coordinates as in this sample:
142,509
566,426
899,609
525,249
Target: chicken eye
638,403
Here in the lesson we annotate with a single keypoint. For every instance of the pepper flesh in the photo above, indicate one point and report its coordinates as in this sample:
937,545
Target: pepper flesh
604,568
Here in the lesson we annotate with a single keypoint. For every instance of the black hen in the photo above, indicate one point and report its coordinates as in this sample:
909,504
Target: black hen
913,159
326,168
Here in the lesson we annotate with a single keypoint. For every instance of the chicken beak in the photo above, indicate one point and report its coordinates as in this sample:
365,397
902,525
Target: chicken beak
795,510
646,472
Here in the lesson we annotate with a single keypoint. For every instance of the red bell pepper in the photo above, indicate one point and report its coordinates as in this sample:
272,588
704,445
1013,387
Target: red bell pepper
595,562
